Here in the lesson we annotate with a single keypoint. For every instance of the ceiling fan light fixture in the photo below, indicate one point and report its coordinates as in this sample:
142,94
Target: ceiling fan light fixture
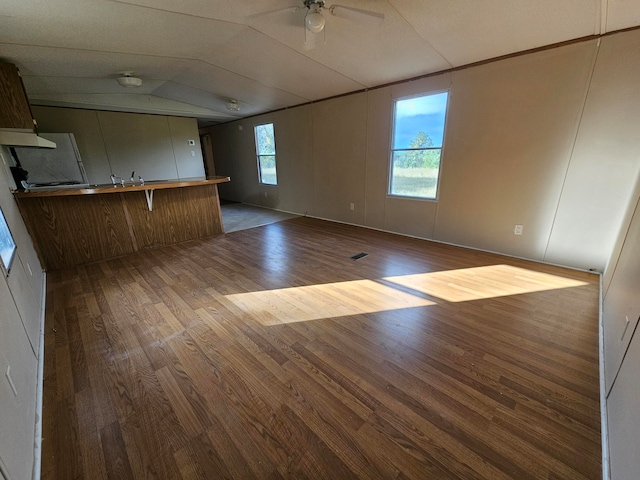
233,106
314,21
127,80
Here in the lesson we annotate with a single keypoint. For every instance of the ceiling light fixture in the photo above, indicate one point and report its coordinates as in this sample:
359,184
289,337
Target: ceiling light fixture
128,80
314,20
233,106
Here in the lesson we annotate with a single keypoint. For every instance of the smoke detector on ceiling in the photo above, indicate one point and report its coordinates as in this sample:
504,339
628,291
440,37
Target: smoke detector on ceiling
128,80
233,106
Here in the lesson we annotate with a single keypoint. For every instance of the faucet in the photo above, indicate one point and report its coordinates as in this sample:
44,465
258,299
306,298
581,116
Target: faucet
141,180
133,174
114,178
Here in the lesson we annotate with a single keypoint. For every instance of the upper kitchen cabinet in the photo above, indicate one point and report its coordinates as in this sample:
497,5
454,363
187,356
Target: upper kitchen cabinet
15,111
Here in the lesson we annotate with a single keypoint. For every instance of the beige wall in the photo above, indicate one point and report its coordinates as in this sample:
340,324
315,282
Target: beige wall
606,158
544,140
155,146
511,126
339,161
233,145
21,309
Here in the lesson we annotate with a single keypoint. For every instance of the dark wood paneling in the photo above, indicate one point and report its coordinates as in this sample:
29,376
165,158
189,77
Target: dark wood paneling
14,106
197,362
178,215
76,229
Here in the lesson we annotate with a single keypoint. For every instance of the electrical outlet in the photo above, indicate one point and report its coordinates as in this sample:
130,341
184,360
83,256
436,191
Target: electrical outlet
517,230
352,206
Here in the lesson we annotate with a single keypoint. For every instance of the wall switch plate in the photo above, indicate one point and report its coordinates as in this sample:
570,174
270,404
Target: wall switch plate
193,153
517,230
626,326
352,206
10,380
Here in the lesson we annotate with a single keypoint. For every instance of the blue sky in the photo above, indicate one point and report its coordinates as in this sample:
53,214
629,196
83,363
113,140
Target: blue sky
420,114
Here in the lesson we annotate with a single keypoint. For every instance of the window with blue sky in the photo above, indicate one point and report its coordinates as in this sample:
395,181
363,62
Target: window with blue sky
416,148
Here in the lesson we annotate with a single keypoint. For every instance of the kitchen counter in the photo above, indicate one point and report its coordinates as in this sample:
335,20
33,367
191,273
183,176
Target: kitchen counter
60,191
77,225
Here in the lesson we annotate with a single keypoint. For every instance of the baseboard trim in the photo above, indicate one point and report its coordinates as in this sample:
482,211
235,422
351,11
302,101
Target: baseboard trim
542,262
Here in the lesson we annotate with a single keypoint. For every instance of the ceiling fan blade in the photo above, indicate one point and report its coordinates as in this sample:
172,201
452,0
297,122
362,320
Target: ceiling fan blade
357,14
290,9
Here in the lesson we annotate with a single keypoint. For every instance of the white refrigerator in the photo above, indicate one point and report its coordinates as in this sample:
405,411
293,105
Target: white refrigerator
59,166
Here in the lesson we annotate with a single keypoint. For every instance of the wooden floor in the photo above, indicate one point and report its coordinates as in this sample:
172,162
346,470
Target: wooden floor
269,353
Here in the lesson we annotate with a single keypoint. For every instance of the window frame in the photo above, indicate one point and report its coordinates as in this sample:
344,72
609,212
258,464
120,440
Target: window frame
392,141
259,155
5,269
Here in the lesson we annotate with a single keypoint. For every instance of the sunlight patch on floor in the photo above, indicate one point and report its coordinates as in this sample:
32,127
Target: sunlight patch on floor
482,282
299,304
313,302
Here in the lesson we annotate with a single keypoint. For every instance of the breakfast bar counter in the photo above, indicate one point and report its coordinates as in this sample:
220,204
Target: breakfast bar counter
72,226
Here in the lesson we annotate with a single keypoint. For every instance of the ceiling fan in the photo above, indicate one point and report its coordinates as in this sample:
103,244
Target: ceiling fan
315,20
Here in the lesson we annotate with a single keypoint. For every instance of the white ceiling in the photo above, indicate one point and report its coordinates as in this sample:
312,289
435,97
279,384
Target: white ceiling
195,55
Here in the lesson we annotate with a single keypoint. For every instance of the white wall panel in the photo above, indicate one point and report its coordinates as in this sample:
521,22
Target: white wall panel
339,149
605,161
623,406
510,129
379,121
188,158
621,306
138,142
20,312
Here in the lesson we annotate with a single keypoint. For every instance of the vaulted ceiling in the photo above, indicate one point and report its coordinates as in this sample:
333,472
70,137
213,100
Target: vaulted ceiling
195,55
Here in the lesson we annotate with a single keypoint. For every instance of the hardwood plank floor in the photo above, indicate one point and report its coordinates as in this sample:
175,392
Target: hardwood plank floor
269,353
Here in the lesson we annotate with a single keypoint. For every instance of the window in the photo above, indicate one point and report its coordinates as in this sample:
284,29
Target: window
266,152
7,245
416,147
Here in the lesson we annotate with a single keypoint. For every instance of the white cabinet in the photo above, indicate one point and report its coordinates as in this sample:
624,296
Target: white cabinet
622,358
623,406
17,390
621,306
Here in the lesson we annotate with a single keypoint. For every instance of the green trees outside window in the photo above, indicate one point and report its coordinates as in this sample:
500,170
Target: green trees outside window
418,133
266,153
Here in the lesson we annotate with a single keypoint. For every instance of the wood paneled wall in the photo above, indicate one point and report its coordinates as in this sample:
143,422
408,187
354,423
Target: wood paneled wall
77,229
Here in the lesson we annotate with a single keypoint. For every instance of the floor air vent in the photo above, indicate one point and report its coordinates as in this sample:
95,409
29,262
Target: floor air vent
358,256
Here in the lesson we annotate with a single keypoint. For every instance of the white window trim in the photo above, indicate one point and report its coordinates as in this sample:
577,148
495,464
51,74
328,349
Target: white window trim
258,155
392,138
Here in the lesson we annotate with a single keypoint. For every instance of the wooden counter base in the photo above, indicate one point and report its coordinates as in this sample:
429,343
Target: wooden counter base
74,227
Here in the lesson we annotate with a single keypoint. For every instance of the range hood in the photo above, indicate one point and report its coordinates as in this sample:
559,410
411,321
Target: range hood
16,138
